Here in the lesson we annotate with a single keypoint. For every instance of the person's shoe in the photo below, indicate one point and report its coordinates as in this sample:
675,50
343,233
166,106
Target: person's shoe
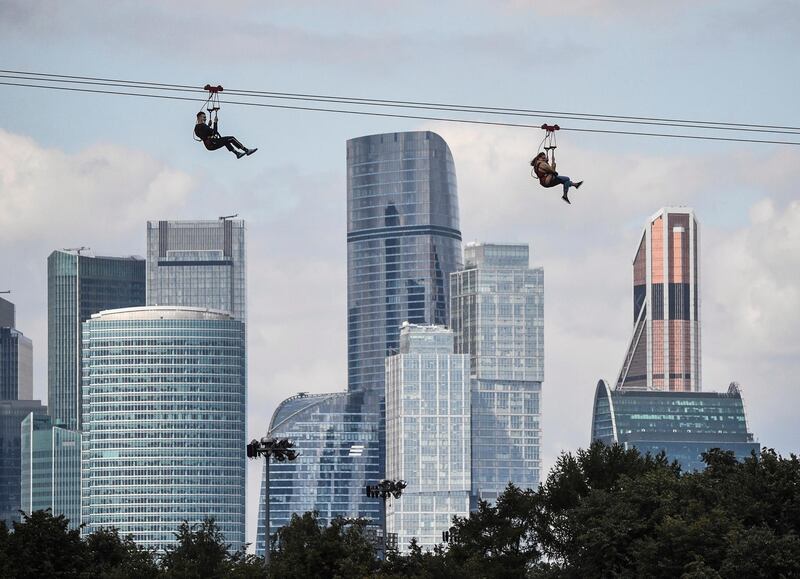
239,154
578,184
565,198
250,151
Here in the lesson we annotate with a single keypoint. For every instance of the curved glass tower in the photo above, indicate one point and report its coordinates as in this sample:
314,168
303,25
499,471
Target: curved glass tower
682,424
164,422
403,242
337,437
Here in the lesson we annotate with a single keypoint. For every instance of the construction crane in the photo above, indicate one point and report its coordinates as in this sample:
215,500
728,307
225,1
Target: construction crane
224,217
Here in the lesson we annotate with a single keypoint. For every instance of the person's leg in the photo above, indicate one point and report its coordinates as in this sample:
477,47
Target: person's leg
233,141
565,181
229,143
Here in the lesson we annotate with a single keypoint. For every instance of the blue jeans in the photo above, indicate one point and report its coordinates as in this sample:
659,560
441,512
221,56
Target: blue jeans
562,180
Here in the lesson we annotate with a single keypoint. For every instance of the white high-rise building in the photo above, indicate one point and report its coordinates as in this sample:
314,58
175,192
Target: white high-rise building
427,434
163,422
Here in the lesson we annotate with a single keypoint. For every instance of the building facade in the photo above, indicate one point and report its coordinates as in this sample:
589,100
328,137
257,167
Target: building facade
427,435
16,357
12,413
197,264
77,287
164,422
337,438
664,351
497,315
403,241
51,458
7,314
682,424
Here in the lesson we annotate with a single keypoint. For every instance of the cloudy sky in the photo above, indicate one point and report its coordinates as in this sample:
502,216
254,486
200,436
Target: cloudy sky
91,170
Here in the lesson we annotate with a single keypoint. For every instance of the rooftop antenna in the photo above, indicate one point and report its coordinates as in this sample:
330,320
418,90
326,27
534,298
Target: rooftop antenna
224,217
76,249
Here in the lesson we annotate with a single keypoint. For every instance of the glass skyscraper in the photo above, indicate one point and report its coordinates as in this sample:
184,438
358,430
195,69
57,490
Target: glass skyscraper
51,460
497,315
77,287
427,435
16,357
403,241
197,264
657,404
682,424
12,413
164,422
337,437
664,352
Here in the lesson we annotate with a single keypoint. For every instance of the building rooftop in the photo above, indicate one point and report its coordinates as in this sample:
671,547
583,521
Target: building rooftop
162,312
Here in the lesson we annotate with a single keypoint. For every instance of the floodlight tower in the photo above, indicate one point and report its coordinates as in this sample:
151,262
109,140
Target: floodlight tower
281,449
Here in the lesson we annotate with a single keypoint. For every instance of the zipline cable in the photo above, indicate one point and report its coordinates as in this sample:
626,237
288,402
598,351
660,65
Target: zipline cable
684,123
402,116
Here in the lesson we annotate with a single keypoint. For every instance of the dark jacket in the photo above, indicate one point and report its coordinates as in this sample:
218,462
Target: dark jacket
205,132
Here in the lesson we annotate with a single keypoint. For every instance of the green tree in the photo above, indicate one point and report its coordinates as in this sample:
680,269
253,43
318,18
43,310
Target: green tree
306,548
202,553
43,546
113,557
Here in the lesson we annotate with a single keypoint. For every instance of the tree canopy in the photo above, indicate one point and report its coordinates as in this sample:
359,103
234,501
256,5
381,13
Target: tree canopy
602,512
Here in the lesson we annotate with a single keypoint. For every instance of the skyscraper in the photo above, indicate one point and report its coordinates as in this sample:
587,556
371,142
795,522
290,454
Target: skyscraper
403,241
664,352
77,287
337,438
16,357
497,315
197,264
164,422
12,413
51,461
684,425
427,435
657,404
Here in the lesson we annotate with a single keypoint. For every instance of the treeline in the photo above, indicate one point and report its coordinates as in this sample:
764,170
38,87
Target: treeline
42,546
602,512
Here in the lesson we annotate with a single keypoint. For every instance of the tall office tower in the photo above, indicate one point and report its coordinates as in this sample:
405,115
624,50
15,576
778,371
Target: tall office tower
497,314
199,264
664,352
12,413
16,357
164,422
684,425
427,435
337,437
77,287
403,242
51,461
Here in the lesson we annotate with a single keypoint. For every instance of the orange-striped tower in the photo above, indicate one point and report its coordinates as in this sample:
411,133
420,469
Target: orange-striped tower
664,352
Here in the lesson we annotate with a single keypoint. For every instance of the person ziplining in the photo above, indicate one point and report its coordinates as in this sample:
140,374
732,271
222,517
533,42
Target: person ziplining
544,165
206,129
